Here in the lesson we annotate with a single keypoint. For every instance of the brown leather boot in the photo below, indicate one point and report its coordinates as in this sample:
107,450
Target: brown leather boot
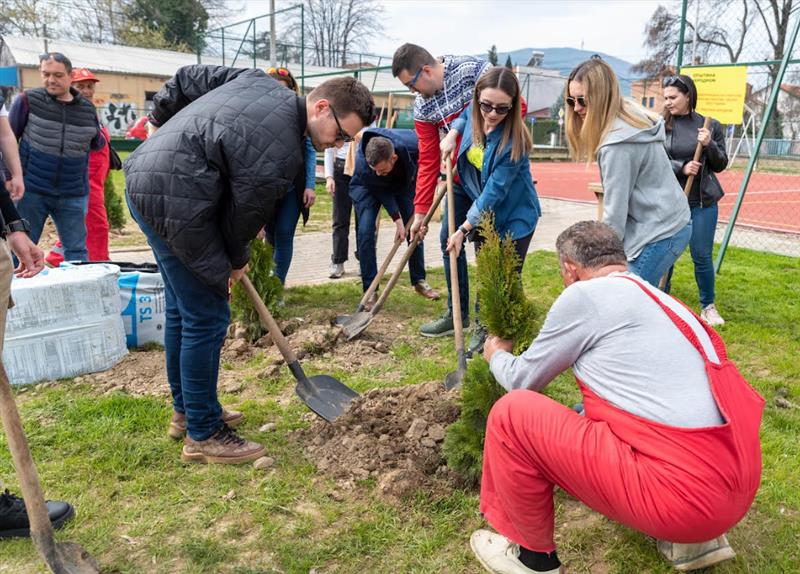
222,447
422,288
177,426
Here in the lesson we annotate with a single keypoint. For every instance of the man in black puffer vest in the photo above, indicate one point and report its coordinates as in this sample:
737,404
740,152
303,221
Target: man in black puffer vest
228,144
56,127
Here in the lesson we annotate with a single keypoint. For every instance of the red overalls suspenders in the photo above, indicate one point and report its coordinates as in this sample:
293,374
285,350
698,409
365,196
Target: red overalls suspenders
677,484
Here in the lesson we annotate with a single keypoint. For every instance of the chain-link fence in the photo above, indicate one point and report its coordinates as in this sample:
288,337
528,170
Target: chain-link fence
761,208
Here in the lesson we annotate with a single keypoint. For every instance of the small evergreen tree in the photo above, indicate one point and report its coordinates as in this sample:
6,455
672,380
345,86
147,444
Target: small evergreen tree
268,286
115,210
509,63
507,313
492,55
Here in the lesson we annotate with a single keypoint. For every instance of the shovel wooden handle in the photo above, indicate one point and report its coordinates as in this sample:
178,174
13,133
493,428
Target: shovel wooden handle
411,247
455,295
698,151
41,529
384,266
268,321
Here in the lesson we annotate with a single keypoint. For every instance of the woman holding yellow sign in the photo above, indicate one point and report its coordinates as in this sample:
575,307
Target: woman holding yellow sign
685,130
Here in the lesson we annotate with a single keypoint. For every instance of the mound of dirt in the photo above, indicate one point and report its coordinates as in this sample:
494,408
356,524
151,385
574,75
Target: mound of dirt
394,435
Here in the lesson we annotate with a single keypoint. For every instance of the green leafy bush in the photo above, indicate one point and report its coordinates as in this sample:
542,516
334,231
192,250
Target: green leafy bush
506,312
268,286
115,208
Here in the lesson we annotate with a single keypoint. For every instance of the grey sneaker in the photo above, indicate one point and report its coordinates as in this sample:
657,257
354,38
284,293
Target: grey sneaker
477,339
222,447
685,557
337,270
710,315
177,426
441,327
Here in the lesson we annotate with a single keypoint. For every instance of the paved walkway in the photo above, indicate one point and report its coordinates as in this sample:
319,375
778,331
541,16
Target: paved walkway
312,251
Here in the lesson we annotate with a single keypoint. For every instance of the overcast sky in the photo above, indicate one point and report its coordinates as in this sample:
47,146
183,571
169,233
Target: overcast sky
615,27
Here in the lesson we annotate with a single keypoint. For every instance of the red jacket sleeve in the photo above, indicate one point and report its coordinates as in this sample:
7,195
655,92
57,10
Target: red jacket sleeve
428,166
99,162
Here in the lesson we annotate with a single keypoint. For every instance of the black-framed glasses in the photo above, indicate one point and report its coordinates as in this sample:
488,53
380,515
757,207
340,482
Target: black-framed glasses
501,110
57,56
572,101
413,82
342,135
674,81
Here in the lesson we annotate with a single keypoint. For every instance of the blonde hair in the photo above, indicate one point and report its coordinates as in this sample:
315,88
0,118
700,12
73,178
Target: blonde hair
604,104
514,130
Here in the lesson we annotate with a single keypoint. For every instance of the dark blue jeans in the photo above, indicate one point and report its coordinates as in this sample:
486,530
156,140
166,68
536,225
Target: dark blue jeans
658,257
281,233
197,318
462,203
701,246
366,212
69,215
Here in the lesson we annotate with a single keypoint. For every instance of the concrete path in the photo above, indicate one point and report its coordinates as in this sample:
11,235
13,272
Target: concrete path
312,251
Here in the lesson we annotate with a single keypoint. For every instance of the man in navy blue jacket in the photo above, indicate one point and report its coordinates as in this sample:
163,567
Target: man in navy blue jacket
385,175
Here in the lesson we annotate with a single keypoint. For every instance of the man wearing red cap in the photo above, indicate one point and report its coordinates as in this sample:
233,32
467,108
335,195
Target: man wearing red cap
85,82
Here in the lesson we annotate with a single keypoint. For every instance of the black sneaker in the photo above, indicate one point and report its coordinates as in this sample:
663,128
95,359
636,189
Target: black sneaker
14,518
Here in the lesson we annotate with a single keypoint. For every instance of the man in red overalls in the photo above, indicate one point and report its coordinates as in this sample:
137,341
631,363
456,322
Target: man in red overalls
668,444
96,218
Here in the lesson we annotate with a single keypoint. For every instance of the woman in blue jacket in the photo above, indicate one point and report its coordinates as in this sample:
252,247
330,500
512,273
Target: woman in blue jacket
280,231
494,168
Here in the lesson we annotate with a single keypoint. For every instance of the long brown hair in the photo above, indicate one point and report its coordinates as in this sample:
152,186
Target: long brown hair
514,130
604,104
685,85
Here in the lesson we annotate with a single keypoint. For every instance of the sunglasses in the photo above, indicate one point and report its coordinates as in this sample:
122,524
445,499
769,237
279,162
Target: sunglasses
486,107
413,82
57,56
675,81
279,71
580,99
342,135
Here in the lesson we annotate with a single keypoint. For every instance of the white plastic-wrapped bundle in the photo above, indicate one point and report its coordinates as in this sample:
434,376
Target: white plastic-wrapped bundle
65,322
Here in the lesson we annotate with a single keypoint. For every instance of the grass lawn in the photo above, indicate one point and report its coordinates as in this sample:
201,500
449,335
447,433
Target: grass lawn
140,510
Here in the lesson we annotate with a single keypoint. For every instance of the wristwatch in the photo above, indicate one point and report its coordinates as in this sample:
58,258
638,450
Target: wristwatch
18,225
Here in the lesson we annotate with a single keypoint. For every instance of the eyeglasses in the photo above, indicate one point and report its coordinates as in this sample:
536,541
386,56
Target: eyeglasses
580,99
674,81
413,82
342,135
487,107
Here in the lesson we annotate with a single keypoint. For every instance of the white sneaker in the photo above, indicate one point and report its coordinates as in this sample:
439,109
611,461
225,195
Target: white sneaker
337,270
685,557
499,555
711,316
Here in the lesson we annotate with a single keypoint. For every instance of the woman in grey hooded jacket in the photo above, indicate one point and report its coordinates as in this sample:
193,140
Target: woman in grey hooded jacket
642,200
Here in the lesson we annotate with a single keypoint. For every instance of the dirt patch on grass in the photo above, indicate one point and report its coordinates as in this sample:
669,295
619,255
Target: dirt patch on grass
392,435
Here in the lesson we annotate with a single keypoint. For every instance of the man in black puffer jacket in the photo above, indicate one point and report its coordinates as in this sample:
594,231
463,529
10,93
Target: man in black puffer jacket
229,143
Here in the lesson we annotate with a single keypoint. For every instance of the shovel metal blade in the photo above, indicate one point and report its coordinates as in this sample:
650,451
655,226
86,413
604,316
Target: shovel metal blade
453,380
341,320
357,324
326,396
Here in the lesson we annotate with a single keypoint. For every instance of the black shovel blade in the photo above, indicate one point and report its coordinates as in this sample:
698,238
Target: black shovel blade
341,320
357,324
453,380
326,396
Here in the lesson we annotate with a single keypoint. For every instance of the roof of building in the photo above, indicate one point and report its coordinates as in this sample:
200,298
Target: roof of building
115,58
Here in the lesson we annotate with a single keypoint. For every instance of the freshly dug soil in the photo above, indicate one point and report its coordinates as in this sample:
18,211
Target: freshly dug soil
394,435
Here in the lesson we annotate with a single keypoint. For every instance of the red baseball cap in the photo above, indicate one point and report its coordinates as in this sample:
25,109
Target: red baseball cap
83,75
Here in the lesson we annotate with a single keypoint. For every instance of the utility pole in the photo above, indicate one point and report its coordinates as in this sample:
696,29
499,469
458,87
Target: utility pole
272,47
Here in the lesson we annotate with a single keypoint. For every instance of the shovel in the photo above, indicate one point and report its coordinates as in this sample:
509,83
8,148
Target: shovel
454,379
342,319
323,394
361,320
60,557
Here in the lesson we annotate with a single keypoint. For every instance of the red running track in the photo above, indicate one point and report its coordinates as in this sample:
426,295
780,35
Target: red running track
772,201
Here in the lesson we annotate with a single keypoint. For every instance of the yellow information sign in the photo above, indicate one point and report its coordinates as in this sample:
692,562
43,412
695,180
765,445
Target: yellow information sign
720,92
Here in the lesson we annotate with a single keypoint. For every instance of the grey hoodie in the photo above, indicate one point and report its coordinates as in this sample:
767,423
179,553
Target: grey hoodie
642,200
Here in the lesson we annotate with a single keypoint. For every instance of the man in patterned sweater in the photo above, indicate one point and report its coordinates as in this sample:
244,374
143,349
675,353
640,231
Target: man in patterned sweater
444,88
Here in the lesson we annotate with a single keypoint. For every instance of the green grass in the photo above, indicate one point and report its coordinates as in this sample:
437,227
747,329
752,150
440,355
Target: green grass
140,510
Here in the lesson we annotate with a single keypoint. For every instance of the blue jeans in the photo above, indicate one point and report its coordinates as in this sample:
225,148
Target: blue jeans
69,215
197,318
281,233
701,246
367,210
461,205
656,258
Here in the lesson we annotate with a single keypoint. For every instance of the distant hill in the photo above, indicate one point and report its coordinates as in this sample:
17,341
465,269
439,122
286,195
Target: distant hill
565,59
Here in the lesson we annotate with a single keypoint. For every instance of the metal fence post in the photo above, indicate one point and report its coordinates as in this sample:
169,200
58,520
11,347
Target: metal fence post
682,33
